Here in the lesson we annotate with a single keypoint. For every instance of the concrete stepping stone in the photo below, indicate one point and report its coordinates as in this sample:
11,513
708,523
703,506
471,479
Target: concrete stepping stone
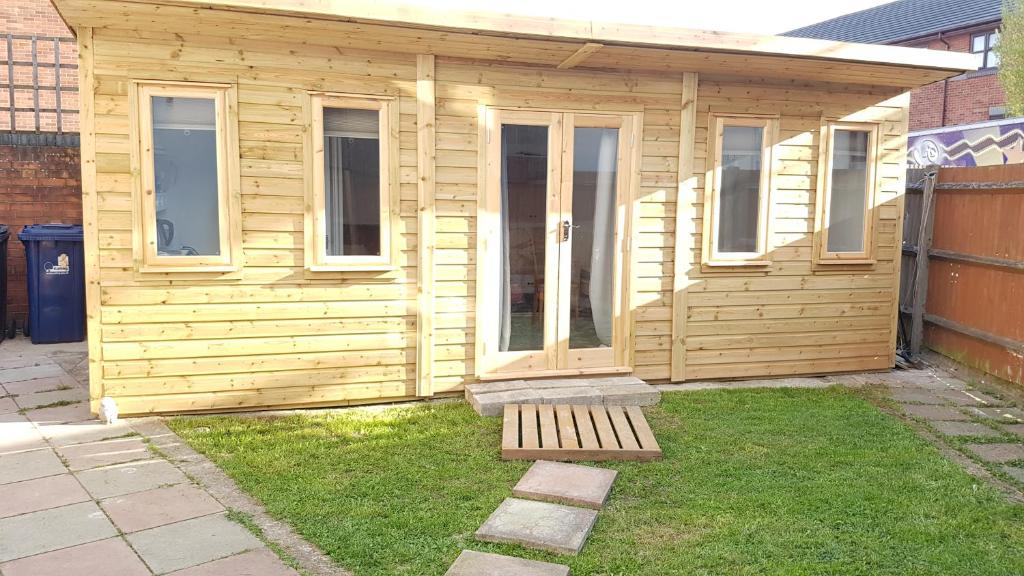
1015,473
915,396
471,563
1017,429
930,412
540,525
569,484
965,429
998,453
968,398
195,542
1012,415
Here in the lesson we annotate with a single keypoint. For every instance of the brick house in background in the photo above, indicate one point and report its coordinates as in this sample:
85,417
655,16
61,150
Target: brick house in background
39,157
957,25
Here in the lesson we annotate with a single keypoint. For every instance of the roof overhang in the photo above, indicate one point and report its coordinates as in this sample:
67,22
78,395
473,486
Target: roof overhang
583,43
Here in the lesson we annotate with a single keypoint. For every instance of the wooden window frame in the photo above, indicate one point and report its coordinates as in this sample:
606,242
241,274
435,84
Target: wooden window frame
229,203
823,201
316,257
710,256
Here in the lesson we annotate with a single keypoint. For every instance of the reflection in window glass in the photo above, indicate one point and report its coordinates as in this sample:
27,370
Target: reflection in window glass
848,186
740,188
352,181
185,176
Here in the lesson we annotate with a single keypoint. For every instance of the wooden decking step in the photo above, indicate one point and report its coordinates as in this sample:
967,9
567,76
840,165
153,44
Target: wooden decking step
576,432
490,398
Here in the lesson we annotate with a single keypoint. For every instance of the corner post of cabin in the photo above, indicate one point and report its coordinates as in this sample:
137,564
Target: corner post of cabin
685,201
425,170
90,215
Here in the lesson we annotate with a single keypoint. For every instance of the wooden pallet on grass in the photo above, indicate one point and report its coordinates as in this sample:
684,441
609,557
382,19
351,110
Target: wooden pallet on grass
564,432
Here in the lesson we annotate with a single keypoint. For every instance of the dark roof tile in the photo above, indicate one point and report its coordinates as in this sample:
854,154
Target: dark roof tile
903,20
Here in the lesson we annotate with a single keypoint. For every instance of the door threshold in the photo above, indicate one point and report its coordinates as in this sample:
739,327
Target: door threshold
528,374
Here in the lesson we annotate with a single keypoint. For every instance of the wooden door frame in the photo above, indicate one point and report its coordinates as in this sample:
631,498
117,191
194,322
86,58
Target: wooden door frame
489,242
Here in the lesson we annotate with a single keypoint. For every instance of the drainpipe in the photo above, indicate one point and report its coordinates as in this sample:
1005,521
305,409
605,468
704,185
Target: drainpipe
945,83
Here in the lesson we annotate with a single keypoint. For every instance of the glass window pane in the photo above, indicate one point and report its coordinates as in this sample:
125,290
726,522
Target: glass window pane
594,172
740,189
352,181
978,43
848,189
185,176
524,183
979,59
993,60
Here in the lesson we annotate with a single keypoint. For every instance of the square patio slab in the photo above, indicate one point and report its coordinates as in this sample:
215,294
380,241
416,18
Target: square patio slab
50,384
82,432
1017,429
127,478
1015,473
52,529
111,557
470,563
7,405
998,453
40,399
931,412
965,429
541,525
192,542
1011,415
40,494
17,434
78,412
261,562
968,398
46,370
104,453
159,506
570,484
915,396
28,465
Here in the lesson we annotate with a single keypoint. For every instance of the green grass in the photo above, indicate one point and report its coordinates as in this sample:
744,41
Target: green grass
753,482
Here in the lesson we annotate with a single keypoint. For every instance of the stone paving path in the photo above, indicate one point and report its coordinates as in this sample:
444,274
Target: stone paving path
78,497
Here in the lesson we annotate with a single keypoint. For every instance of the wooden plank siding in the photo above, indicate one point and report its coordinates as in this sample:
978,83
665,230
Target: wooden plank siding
274,333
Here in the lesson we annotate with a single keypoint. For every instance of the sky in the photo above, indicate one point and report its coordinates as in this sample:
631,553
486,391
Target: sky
755,16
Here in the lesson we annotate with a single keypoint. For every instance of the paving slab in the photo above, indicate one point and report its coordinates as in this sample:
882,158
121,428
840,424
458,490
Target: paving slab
996,413
159,506
28,465
1017,429
40,494
575,395
52,529
82,432
569,484
1015,473
110,557
78,412
30,373
7,405
932,412
470,563
998,453
17,434
968,398
192,542
915,396
965,429
104,453
631,395
261,562
493,404
43,399
49,384
123,479
541,525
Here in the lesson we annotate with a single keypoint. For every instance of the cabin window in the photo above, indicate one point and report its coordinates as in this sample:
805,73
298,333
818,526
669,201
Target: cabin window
845,212
737,214
352,183
189,203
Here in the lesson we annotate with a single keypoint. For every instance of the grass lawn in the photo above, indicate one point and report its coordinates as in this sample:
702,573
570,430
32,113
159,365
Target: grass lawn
753,482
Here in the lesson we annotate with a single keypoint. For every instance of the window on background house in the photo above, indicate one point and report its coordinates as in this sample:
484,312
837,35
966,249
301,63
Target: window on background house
188,154
351,186
738,207
983,47
846,203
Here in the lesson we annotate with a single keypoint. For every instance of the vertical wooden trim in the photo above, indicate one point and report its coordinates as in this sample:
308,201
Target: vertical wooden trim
924,243
487,222
425,170
685,201
90,215
904,102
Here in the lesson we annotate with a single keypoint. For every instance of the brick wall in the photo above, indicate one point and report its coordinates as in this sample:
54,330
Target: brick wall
38,185
969,96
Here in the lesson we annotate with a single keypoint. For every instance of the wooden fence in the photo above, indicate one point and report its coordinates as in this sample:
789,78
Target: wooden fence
38,84
962,279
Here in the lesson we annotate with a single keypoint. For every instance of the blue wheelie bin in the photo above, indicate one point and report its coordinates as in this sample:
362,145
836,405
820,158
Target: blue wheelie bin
56,282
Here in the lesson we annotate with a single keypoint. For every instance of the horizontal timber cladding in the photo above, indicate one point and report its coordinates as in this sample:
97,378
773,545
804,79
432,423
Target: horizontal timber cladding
274,333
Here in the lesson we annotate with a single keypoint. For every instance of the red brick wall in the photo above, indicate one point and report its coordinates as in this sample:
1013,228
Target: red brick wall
968,99
38,17
38,185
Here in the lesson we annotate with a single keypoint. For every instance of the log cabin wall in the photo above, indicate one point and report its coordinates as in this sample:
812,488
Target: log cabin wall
276,334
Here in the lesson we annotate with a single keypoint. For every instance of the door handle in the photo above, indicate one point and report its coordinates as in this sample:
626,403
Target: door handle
566,227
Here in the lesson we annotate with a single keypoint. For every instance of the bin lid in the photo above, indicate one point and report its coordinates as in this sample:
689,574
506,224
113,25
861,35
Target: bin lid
43,232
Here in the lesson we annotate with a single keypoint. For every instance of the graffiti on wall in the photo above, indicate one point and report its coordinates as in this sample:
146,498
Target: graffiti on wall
983,144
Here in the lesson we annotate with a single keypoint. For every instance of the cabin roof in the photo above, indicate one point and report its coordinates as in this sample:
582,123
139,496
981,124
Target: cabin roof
590,44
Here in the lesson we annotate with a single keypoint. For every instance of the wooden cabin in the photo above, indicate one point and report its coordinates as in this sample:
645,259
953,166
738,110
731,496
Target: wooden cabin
324,202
